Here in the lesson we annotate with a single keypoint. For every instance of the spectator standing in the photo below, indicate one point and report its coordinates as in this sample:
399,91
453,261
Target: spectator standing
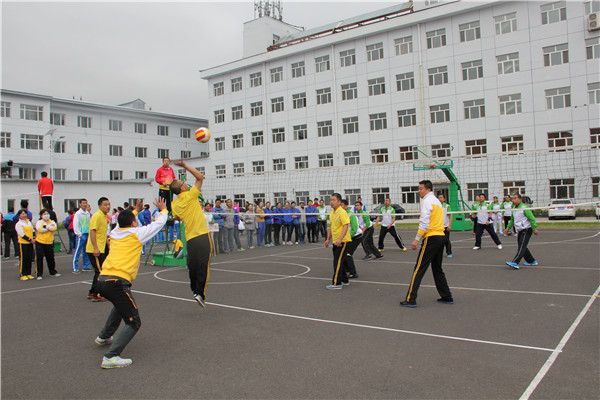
46,189
250,225
164,176
44,245
219,218
81,228
10,234
260,224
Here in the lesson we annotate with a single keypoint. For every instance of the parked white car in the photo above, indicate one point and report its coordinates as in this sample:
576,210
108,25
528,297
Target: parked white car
561,208
597,210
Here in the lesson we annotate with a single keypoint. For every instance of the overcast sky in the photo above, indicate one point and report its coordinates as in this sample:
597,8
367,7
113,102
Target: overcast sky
112,53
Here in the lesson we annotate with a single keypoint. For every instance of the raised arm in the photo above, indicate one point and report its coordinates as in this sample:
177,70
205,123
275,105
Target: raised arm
197,174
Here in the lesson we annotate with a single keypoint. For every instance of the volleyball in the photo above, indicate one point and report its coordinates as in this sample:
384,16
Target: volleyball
203,135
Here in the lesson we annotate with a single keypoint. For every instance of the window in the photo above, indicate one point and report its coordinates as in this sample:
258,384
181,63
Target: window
257,138
556,55
436,38
301,162
350,124
352,195
32,142
219,144
438,76
114,125
84,122
594,93
441,150
162,130
116,175
476,148
26,173
59,174
256,109
239,199
375,52
510,104
472,70
592,48
84,174
258,167
325,194
474,109
380,194
185,133
558,98
5,140
141,152
407,117
255,79
32,113
378,121
218,89
115,151
562,188
379,156
299,100
277,104
512,187
163,153
347,58
279,197
322,64
58,119
439,113
324,96
59,147
279,164
139,127
560,141
408,153
508,63
505,23
410,194
300,132
141,174
376,86
219,116
238,141
237,113
220,171
278,135
351,158
236,84
470,31
298,69
324,128
595,137
302,196
512,144
554,12
403,45
349,91
591,6
475,189
5,109
405,81
325,160
595,186
276,74
238,169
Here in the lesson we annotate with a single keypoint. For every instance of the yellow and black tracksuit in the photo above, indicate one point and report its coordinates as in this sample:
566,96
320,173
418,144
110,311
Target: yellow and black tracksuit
339,218
44,247
24,230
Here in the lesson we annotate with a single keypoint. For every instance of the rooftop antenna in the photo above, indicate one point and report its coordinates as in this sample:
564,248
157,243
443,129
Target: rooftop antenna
268,8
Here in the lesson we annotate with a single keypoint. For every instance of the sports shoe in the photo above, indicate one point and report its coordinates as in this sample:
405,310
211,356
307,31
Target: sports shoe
200,300
91,296
531,264
98,298
499,247
283,244
296,243
241,249
408,304
380,250
76,271
512,264
404,249
333,287
345,283
87,269
449,256
352,276
103,342
39,278
24,278
367,257
446,300
115,362
56,275
251,247
30,277
380,257
476,248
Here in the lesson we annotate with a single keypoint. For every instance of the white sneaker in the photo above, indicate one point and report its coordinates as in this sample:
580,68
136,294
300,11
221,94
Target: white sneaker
103,342
56,275
39,278
476,248
499,247
115,362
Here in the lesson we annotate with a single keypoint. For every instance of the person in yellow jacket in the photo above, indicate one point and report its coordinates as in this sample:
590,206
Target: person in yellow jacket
339,233
26,240
44,245
119,270
97,244
431,230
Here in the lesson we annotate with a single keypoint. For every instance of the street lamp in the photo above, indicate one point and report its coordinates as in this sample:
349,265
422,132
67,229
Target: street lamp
52,143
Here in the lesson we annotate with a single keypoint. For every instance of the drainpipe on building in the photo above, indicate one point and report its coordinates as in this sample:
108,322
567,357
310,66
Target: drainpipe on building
335,115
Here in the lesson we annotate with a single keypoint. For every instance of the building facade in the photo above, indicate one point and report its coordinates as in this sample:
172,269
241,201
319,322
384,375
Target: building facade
90,150
507,91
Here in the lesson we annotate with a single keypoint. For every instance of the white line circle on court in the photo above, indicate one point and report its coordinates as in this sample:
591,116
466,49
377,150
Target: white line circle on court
278,277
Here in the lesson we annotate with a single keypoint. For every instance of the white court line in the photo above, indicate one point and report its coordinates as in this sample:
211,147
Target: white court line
550,361
380,328
42,287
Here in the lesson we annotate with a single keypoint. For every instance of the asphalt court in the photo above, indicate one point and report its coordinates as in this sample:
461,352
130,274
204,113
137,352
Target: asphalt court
271,330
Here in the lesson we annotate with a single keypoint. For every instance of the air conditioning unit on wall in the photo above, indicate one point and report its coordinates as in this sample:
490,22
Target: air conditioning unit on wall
594,21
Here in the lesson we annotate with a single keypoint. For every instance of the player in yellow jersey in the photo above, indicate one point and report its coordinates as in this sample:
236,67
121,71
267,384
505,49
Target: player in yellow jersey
339,231
97,244
118,272
187,208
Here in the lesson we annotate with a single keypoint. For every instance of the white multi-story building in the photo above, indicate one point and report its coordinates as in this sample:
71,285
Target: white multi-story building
92,150
509,90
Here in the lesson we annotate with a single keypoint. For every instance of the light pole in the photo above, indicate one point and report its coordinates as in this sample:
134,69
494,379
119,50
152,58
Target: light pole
52,143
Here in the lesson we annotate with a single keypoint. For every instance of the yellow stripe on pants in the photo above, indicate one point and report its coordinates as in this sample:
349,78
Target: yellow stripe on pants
339,263
417,268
